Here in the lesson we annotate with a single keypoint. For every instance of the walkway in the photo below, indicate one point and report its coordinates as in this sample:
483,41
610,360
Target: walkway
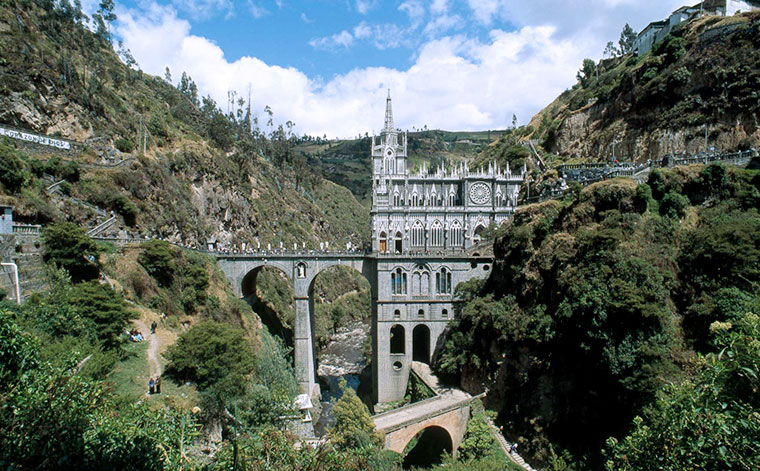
505,446
398,418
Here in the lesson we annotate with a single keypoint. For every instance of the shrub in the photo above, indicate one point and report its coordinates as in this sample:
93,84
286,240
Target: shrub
673,205
68,246
13,174
124,145
217,357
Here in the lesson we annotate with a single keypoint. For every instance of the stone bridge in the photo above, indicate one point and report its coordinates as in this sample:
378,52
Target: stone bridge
446,416
301,270
412,302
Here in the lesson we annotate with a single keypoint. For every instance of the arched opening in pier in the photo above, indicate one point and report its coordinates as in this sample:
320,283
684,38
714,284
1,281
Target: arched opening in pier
341,307
427,447
421,343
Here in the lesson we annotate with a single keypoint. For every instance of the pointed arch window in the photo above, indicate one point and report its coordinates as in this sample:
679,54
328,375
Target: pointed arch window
398,281
443,281
436,234
455,234
418,234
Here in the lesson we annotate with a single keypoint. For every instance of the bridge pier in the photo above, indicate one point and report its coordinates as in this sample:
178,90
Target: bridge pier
303,346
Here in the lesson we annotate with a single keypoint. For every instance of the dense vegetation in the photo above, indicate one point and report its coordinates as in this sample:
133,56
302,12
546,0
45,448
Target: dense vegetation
596,301
205,174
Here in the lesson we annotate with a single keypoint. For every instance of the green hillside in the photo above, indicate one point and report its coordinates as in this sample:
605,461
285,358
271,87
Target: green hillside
599,303
204,176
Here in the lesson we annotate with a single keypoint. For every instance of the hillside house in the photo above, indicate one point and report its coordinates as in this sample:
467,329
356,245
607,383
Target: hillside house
657,30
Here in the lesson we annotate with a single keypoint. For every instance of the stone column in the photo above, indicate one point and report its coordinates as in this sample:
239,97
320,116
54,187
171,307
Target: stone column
303,345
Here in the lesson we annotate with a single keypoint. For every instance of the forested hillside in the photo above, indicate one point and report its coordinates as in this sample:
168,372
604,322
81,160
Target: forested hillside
602,306
206,175
704,73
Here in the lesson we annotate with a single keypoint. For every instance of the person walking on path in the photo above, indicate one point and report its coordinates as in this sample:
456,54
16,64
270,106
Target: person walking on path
158,384
151,386
153,326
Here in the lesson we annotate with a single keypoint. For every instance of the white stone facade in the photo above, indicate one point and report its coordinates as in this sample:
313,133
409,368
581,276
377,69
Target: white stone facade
443,210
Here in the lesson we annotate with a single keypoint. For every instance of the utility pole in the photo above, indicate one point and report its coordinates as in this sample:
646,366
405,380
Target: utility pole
706,148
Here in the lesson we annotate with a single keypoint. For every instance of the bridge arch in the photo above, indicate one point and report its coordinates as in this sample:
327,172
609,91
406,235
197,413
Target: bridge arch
276,322
432,442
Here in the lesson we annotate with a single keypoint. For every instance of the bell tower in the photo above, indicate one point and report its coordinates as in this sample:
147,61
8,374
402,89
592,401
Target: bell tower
389,151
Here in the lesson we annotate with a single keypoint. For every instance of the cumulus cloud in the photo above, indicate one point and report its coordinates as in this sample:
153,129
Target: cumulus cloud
454,83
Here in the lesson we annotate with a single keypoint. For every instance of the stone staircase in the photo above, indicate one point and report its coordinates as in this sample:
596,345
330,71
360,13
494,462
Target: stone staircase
505,447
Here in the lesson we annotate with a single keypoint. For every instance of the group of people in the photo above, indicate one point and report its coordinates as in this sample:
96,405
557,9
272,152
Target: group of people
154,385
136,336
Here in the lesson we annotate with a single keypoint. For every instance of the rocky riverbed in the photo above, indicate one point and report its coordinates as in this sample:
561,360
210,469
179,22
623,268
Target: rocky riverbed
343,358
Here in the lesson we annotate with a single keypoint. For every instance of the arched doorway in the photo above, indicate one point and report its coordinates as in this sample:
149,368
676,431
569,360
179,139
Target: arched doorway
421,343
399,240
268,291
427,447
383,242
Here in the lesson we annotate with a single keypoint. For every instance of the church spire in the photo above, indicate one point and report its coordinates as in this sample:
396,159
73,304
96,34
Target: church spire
389,129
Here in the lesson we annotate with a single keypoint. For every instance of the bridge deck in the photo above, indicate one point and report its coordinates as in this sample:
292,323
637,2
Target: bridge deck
448,400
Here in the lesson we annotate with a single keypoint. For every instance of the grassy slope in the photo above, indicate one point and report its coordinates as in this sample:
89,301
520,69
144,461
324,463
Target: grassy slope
58,78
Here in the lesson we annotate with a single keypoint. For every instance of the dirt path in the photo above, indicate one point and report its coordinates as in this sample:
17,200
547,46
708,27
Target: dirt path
157,343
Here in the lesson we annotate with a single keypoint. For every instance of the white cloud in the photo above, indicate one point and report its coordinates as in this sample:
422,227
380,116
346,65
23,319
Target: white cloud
201,9
414,10
343,39
362,30
484,9
455,82
364,6
439,6
442,24
306,19
256,11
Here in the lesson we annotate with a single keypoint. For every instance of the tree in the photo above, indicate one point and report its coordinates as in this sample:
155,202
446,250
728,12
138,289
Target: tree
353,427
587,71
158,258
610,51
708,423
67,245
168,75
13,174
103,18
215,356
627,38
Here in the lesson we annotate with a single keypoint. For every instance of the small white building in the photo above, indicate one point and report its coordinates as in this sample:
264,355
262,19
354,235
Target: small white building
657,30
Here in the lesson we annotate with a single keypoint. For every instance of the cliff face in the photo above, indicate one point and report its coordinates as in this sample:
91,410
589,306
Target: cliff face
204,176
706,73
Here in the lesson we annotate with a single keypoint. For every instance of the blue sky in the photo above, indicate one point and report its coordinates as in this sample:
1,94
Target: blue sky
325,64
